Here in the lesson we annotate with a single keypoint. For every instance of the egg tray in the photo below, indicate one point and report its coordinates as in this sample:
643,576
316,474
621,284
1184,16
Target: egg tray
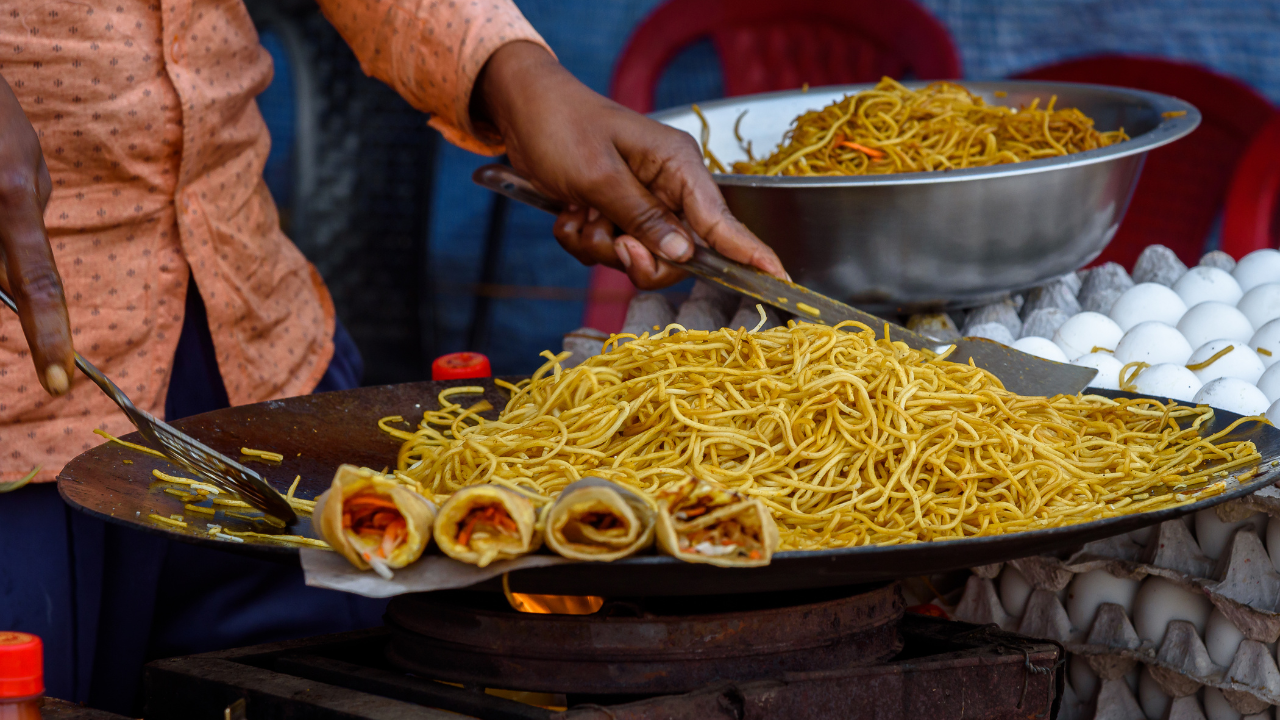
1180,664
1116,701
1243,585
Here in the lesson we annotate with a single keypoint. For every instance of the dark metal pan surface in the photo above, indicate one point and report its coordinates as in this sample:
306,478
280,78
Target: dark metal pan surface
316,433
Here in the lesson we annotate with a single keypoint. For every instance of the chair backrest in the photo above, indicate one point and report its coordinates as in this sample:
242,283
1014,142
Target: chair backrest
1251,217
767,45
1183,185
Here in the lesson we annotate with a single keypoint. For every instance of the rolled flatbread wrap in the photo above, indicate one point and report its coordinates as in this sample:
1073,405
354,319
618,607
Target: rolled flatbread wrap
594,519
700,521
483,523
374,521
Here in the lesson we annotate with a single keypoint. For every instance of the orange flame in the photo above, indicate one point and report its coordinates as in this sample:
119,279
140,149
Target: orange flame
551,604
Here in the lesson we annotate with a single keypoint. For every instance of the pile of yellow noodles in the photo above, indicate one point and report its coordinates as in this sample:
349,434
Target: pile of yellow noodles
891,129
848,440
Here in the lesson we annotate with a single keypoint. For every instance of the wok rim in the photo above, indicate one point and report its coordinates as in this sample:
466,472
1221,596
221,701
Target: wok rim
1168,131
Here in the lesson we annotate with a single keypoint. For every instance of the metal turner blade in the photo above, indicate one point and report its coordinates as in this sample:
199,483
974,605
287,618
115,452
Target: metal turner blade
1020,372
196,457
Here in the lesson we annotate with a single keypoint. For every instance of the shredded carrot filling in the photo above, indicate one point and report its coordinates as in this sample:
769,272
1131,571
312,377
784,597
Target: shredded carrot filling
601,520
377,519
729,533
493,518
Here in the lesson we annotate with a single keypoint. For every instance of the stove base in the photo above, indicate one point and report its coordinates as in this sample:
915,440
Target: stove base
945,669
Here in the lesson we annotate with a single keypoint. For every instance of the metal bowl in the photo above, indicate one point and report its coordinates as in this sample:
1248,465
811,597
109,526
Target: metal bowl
928,240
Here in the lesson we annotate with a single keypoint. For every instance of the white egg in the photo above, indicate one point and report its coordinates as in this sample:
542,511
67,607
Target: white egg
1090,589
1146,302
1212,320
1041,348
1108,367
1261,304
1269,383
1216,706
1234,395
1154,342
1213,534
1256,268
1014,591
1221,638
1151,698
1267,343
1167,380
1200,284
1273,414
1083,332
1160,602
1083,679
1240,362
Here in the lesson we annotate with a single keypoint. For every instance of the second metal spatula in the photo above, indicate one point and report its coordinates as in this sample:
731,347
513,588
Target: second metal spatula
1020,372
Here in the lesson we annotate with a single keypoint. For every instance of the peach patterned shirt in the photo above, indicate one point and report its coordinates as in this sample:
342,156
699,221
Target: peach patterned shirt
146,115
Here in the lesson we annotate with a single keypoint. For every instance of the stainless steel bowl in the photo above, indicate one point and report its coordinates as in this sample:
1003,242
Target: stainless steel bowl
957,238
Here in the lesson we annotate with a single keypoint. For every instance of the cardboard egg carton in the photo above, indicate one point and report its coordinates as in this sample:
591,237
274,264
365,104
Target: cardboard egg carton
1242,584
1180,664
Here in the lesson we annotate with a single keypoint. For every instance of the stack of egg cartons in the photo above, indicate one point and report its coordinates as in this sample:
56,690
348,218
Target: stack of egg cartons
1208,334
1178,621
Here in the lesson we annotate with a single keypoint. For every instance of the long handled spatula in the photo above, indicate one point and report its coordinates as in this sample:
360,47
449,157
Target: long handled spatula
1021,373
192,455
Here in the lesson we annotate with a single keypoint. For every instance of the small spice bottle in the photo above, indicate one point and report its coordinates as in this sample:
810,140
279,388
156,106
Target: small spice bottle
21,676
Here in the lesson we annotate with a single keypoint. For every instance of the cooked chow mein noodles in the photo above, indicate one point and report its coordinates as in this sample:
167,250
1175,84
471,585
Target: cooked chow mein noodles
847,439
943,126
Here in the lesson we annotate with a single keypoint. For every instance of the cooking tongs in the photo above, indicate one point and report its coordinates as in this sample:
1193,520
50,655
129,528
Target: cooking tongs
1020,372
196,457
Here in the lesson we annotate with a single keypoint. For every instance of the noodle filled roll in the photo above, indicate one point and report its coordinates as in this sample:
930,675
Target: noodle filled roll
594,519
374,521
700,521
483,523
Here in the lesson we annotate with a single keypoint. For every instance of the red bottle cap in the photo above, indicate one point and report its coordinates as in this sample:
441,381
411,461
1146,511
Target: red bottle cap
21,665
460,365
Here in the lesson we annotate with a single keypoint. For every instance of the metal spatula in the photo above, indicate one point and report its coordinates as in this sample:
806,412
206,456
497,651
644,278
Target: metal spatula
196,457
1020,372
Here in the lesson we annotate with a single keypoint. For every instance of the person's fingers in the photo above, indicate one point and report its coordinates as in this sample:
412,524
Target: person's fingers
588,236
645,271
680,180
33,280
620,196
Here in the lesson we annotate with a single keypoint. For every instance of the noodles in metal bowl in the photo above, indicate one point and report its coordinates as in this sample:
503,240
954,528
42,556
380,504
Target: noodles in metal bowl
924,240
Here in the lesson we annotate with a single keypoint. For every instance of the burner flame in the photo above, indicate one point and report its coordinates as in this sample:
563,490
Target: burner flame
551,604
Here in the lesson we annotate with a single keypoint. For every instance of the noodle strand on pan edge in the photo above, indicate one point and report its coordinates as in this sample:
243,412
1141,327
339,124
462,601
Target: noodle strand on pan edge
943,126
848,440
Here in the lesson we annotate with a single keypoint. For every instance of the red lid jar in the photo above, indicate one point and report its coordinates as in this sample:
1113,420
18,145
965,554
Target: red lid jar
21,676
459,366
21,665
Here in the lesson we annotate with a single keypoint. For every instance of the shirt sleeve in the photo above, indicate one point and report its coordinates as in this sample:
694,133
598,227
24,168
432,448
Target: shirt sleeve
430,51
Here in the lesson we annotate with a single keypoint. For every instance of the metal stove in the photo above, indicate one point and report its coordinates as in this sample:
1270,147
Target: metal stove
842,653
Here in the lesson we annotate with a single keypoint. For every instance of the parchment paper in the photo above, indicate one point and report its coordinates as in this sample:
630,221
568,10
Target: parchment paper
326,569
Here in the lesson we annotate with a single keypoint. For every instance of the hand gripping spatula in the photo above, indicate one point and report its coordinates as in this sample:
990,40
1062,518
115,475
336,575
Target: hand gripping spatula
1020,372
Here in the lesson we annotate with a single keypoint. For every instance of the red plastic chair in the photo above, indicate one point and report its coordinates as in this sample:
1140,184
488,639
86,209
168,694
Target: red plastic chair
1184,184
767,45
1250,220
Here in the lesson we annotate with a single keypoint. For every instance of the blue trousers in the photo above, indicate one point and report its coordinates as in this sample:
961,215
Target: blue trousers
106,599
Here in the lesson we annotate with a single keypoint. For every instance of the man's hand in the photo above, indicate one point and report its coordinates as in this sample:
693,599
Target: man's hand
615,168
26,260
